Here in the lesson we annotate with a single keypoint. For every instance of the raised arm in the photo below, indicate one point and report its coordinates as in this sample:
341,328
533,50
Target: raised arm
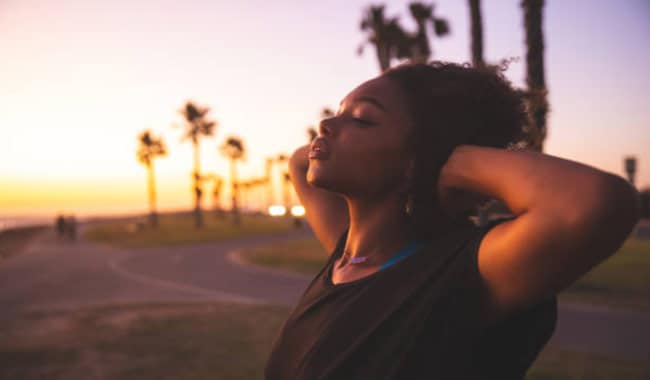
326,212
569,218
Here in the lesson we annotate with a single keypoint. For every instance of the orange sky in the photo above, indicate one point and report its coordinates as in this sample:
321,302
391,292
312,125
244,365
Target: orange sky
80,80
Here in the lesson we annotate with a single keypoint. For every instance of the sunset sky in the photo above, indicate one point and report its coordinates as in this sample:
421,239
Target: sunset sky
79,79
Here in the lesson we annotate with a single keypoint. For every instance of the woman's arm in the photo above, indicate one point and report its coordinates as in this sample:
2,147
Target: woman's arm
569,218
326,212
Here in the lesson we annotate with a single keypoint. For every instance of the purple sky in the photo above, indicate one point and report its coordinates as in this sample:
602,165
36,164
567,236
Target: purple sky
79,80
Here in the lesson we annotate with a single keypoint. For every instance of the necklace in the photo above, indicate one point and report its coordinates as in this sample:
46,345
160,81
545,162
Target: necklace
356,259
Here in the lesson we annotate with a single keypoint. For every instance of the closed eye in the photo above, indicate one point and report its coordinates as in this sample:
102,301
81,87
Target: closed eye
363,121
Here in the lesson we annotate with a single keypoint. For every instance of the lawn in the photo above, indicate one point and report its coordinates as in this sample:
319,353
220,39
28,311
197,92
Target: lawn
161,341
180,229
305,255
559,364
196,341
622,281
14,240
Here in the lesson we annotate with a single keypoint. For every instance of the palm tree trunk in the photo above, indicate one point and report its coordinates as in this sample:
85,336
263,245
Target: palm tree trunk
421,50
535,69
151,182
233,179
477,32
196,180
383,56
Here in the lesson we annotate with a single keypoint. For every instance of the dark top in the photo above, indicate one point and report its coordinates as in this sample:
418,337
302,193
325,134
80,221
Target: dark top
421,318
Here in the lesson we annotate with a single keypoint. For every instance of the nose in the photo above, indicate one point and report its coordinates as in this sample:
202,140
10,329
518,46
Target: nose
325,127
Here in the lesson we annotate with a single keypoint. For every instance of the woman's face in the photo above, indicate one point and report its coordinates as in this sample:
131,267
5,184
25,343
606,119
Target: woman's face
366,140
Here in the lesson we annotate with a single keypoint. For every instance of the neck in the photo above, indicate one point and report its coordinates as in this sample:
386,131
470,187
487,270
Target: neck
378,228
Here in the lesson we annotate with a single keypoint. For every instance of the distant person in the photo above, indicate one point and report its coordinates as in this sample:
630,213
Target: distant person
412,288
60,226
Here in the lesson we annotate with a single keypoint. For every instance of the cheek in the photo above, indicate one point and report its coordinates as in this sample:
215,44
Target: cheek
378,166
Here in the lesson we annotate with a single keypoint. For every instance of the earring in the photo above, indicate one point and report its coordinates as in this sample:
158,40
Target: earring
408,207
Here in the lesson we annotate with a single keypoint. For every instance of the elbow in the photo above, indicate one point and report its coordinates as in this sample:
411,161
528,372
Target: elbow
624,201
611,208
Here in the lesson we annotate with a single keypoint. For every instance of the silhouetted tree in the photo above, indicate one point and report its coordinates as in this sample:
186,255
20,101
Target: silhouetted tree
233,149
537,91
392,41
419,46
197,125
380,34
150,147
476,22
217,186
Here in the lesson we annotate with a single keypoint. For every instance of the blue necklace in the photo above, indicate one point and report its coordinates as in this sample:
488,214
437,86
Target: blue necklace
400,254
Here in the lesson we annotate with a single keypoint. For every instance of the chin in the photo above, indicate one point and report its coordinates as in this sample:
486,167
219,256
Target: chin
319,178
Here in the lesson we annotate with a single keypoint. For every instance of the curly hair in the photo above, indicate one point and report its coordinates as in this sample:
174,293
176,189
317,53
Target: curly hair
453,104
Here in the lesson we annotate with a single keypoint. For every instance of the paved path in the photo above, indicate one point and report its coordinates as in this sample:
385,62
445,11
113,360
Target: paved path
55,274
60,274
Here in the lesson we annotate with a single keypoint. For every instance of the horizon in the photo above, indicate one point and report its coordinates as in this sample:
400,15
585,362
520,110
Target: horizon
84,78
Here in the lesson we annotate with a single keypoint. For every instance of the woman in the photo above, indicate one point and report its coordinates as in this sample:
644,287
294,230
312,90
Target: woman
412,288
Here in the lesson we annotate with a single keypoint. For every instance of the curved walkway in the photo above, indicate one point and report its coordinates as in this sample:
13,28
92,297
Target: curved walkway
57,274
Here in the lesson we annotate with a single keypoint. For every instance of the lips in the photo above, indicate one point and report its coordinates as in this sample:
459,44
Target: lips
319,148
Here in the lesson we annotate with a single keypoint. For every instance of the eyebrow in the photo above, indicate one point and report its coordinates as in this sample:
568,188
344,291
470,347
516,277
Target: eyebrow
368,99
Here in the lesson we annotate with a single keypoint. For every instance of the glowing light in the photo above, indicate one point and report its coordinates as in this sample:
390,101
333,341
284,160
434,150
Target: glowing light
277,210
297,210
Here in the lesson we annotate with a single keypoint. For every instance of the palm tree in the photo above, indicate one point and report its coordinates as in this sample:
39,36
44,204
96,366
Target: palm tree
537,91
149,148
197,125
380,32
392,41
216,194
420,48
477,32
233,148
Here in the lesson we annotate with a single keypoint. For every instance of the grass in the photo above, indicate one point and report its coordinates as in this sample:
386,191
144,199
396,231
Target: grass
12,241
180,229
560,364
162,341
622,281
304,255
197,341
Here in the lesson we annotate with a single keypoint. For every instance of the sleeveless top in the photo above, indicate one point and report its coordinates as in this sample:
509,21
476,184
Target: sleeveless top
421,318
402,253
